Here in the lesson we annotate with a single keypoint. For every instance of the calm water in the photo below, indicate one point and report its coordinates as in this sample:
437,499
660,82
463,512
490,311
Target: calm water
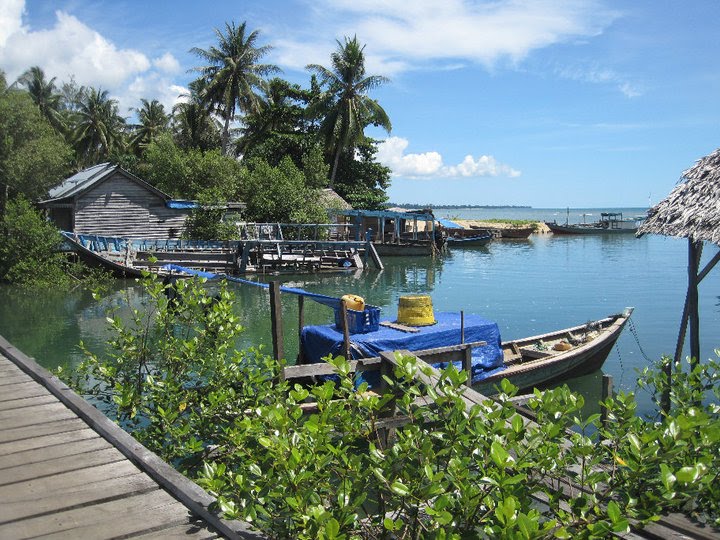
528,286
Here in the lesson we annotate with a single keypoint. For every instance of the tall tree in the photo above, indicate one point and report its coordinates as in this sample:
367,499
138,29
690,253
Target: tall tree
233,74
99,129
345,107
193,123
152,122
45,95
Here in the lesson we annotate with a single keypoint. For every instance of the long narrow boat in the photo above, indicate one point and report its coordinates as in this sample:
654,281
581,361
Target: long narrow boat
479,239
531,362
537,361
610,223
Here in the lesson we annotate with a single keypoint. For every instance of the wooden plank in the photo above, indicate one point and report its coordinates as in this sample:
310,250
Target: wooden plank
190,530
34,456
39,430
38,414
112,519
59,484
400,327
26,402
190,494
14,378
22,390
42,502
46,441
60,465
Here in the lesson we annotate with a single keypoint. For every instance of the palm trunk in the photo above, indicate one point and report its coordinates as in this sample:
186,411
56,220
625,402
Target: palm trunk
225,142
334,169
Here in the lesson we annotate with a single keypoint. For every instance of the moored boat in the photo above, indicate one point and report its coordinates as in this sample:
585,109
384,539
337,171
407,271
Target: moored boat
535,361
480,238
610,223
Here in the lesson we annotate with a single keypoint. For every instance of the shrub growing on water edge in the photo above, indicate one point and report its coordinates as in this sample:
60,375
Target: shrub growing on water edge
224,418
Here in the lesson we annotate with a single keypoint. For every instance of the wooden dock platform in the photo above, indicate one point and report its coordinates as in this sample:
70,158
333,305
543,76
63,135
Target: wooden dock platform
67,471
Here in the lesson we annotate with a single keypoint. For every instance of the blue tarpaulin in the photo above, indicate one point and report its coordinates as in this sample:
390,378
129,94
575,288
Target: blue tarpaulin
320,341
449,224
181,205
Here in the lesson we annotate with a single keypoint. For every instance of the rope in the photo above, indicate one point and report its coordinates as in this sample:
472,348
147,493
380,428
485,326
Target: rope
633,331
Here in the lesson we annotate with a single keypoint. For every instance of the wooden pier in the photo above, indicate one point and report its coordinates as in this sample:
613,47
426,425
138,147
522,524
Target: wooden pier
67,471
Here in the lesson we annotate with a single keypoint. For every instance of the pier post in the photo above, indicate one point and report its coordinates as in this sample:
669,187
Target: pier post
301,325
276,323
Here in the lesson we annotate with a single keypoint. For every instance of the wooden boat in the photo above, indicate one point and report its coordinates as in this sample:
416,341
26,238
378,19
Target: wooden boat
130,258
533,362
610,223
476,240
538,361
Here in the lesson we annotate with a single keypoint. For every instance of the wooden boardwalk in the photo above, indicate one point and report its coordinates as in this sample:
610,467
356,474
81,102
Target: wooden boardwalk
67,471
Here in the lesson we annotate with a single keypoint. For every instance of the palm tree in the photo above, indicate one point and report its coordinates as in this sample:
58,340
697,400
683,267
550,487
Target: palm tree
345,106
193,123
45,95
233,74
153,121
99,127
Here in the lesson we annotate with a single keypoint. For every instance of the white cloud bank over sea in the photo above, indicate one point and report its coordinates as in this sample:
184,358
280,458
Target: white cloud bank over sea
391,153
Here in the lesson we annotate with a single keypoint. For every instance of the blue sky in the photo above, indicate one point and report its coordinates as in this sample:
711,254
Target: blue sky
581,103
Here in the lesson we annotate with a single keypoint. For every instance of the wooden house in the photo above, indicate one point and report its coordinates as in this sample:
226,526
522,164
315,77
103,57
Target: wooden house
109,201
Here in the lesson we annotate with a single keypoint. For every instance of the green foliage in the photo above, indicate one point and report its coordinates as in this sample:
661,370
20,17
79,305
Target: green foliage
362,182
29,253
279,194
317,462
33,157
206,221
190,173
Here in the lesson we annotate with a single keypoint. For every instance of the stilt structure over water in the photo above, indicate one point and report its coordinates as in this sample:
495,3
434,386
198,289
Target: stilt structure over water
692,211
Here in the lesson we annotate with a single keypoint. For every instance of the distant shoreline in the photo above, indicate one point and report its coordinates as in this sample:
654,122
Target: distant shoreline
484,206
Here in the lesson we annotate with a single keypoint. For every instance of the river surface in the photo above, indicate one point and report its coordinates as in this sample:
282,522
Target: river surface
528,286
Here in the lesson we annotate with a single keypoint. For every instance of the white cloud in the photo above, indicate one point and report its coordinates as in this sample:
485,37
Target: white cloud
391,153
70,47
595,74
167,63
10,18
423,33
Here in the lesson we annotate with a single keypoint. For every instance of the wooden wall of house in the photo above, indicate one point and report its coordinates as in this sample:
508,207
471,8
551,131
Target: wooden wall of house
120,206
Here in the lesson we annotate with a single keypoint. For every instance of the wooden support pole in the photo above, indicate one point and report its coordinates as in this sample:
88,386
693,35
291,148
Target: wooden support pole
694,254
607,392
467,363
345,329
276,322
301,325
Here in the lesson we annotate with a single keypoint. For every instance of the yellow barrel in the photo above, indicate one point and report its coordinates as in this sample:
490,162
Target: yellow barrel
416,310
353,301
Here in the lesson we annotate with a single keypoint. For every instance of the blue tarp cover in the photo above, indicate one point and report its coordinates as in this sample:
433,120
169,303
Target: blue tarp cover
319,341
449,224
181,205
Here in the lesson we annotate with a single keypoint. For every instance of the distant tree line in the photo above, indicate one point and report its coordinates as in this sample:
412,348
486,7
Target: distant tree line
240,133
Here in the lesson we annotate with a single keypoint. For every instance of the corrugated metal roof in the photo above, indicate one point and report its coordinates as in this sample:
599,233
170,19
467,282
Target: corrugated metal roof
81,180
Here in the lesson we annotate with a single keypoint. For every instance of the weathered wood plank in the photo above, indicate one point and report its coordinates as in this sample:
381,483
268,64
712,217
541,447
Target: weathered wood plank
35,456
24,505
112,519
13,378
38,414
60,465
191,530
39,430
16,391
61,483
26,402
47,441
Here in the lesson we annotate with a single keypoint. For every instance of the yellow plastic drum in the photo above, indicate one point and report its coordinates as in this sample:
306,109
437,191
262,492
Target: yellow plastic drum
355,302
416,311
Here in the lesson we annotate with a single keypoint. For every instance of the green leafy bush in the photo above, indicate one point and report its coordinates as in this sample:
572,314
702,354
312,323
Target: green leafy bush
322,461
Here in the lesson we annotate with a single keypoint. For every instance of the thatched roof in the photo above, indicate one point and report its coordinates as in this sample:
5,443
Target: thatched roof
330,199
692,210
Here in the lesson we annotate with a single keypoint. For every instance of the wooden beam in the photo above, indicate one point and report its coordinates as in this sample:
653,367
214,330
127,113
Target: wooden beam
276,321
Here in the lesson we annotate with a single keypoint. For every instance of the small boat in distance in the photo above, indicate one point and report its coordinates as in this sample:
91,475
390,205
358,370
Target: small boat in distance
479,238
610,223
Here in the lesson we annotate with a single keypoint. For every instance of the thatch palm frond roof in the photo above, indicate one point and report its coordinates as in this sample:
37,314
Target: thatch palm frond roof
692,210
